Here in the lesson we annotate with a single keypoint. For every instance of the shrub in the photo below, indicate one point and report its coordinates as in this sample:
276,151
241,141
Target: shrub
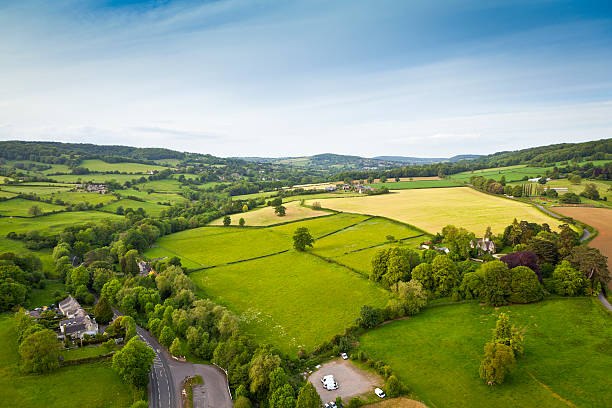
497,363
522,258
525,287
393,386
569,281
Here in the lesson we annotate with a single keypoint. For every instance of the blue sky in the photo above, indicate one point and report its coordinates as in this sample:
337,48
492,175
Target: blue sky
288,78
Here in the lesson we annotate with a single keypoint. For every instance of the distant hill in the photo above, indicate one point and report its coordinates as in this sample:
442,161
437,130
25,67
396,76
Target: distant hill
425,160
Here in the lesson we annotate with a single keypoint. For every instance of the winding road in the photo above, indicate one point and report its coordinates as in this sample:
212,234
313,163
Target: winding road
167,376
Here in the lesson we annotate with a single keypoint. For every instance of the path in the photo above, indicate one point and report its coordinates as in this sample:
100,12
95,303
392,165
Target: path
547,212
604,301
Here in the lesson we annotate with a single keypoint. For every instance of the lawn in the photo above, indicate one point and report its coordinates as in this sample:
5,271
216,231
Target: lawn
20,207
83,352
266,216
568,354
432,209
85,385
44,297
291,300
150,208
403,185
54,223
103,167
211,246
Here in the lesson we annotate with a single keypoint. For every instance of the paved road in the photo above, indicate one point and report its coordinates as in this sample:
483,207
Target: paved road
547,212
167,375
604,301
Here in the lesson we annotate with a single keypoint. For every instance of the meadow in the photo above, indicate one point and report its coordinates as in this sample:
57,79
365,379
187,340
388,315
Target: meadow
53,223
76,197
603,187
101,166
153,197
20,207
567,357
512,173
403,185
165,185
91,385
266,216
291,308
150,208
432,209
95,178
38,189
6,194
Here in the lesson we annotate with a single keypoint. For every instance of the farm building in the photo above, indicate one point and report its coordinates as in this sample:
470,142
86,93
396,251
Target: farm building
485,245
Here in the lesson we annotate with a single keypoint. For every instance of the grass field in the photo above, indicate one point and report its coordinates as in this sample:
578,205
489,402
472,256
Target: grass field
291,307
83,352
437,354
38,189
601,219
6,194
150,208
153,197
165,186
20,207
432,209
95,178
403,185
85,385
101,166
53,223
266,216
602,186
44,297
75,197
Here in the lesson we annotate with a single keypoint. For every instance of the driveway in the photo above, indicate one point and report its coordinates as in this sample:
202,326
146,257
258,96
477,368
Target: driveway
352,380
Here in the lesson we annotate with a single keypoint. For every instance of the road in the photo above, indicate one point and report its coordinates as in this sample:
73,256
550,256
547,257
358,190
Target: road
167,375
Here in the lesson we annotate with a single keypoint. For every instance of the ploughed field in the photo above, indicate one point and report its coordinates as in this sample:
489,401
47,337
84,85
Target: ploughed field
432,209
567,359
290,299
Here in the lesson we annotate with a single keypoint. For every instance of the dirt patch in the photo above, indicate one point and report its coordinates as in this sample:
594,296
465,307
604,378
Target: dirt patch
600,218
398,403
352,380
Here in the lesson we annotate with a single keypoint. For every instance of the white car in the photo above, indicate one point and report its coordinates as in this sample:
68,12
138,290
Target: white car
329,383
344,356
380,393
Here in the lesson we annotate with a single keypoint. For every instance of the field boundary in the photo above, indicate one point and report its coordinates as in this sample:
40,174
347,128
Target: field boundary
342,229
384,243
239,261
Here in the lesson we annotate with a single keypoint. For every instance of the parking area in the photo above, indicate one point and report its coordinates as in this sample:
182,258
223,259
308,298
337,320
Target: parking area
352,381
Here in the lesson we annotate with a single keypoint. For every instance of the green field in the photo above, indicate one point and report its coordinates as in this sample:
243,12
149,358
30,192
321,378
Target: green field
291,307
53,223
44,297
153,197
20,207
95,178
103,167
403,185
85,385
38,189
83,352
568,354
164,186
75,197
6,194
150,208
602,186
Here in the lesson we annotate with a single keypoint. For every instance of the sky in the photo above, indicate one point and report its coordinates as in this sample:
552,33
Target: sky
292,78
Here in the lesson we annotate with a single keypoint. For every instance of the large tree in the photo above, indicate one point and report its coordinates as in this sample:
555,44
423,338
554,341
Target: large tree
496,285
39,352
302,239
591,263
497,363
133,362
103,311
308,397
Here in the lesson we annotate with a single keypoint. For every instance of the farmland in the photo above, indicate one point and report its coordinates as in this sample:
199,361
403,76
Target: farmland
403,185
20,207
92,384
103,167
441,350
75,197
153,197
288,307
38,189
53,223
94,178
432,209
512,173
266,216
603,187
150,208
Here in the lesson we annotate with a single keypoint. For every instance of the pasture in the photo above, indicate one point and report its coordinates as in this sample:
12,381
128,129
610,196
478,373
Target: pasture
21,207
432,209
603,187
150,208
76,197
291,307
403,185
41,190
92,384
103,167
512,173
54,223
165,186
437,354
153,197
95,178
266,216
6,194
601,219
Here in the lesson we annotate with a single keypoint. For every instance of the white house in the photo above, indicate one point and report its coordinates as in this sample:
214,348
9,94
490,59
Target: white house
78,322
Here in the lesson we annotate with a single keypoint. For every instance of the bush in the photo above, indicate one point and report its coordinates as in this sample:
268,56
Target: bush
497,363
393,386
525,287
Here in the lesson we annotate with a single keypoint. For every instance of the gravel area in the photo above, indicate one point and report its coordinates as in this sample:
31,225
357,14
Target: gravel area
352,381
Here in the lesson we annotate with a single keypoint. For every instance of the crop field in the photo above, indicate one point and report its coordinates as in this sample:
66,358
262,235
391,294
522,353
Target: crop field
150,208
75,197
291,307
403,185
20,207
53,223
91,385
601,219
38,189
432,209
437,354
101,166
153,197
266,216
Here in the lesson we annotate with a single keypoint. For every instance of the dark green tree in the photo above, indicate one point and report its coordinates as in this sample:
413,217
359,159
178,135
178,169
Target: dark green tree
302,239
103,311
133,362
39,352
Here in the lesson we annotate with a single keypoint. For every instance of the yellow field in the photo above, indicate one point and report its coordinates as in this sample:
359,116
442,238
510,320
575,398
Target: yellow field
432,209
265,216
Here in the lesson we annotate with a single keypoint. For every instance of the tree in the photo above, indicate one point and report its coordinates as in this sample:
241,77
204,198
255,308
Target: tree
412,296
445,275
569,281
176,349
242,402
282,398
129,264
260,368
241,222
140,404
245,208
591,263
508,335
227,220
379,264
133,362
524,286
423,273
393,386
35,211
496,283
523,258
590,192
302,239
308,397
166,336
575,179
569,198
39,352
370,317
497,363
103,311
278,378
280,210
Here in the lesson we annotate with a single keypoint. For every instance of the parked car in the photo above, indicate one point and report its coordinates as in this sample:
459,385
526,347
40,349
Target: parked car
330,386
379,392
344,356
332,404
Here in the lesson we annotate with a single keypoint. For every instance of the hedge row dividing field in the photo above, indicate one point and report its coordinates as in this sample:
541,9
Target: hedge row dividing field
567,360
405,185
150,208
266,215
20,207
